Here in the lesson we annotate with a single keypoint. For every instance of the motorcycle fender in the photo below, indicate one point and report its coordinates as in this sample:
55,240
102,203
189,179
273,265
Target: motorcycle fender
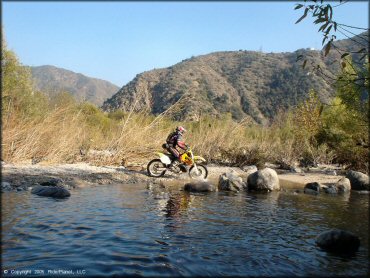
197,157
164,158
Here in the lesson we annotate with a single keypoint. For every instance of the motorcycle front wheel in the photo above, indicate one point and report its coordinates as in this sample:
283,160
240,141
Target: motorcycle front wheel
156,168
201,173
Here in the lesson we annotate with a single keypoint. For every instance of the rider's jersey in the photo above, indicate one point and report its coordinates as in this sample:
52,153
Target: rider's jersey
175,140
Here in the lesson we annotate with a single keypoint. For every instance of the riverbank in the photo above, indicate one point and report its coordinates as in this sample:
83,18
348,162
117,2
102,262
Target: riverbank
23,176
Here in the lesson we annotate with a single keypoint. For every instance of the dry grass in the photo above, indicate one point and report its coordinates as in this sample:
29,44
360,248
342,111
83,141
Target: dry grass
67,133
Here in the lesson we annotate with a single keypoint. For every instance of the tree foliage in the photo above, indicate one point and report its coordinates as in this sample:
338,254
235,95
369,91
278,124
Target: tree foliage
18,97
323,14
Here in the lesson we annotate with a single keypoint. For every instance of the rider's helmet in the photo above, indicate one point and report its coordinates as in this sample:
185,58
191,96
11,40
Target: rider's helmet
180,129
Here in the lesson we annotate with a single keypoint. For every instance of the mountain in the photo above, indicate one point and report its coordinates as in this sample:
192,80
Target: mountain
244,83
51,79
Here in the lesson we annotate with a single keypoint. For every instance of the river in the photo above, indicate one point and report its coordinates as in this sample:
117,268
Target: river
130,230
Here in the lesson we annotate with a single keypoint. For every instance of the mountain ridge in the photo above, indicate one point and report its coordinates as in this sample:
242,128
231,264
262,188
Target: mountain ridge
52,79
244,83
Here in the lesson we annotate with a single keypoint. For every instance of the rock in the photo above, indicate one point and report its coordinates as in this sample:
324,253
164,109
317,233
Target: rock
249,169
338,241
312,188
201,186
51,191
359,181
343,185
6,186
230,182
272,165
330,172
52,182
330,189
263,180
296,170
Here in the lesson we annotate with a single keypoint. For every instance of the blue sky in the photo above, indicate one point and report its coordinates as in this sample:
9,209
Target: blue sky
117,40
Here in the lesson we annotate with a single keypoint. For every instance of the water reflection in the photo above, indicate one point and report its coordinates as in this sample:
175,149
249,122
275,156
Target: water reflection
177,203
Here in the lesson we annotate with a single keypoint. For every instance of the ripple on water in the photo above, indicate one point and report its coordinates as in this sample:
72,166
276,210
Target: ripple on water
124,230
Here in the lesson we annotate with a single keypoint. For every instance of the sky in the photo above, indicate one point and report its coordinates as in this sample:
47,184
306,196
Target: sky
115,41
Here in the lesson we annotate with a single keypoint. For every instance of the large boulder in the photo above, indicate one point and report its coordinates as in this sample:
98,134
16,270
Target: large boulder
51,191
263,180
200,186
338,241
230,182
312,188
359,181
344,185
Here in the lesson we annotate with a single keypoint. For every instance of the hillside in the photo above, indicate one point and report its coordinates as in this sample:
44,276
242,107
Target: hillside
244,83
51,79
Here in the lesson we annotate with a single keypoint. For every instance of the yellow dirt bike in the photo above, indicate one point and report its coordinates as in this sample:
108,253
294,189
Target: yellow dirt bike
190,163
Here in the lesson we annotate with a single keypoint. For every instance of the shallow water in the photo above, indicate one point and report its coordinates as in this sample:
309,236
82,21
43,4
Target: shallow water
129,230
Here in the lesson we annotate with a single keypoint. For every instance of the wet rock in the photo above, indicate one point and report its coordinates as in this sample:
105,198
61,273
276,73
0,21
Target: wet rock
6,186
359,181
338,241
343,185
263,180
330,189
230,182
52,182
51,191
312,188
201,186
362,191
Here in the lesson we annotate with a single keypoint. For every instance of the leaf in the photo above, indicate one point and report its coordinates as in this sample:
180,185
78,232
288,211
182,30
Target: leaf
330,12
327,48
325,38
328,30
344,55
298,6
303,16
324,26
335,26
319,20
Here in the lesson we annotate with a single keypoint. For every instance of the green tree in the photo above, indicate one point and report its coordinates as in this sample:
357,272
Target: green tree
353,89
323,13
19,99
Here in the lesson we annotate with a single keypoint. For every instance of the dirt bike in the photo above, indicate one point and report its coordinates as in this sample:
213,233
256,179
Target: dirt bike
194,165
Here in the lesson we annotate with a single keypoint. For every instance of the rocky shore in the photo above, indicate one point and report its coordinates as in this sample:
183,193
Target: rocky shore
19,177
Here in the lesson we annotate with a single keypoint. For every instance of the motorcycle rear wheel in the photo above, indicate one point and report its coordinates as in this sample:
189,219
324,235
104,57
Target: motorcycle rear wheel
156,168
202,172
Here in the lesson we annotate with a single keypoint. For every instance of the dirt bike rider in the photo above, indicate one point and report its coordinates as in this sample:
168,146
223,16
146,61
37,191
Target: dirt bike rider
174,141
